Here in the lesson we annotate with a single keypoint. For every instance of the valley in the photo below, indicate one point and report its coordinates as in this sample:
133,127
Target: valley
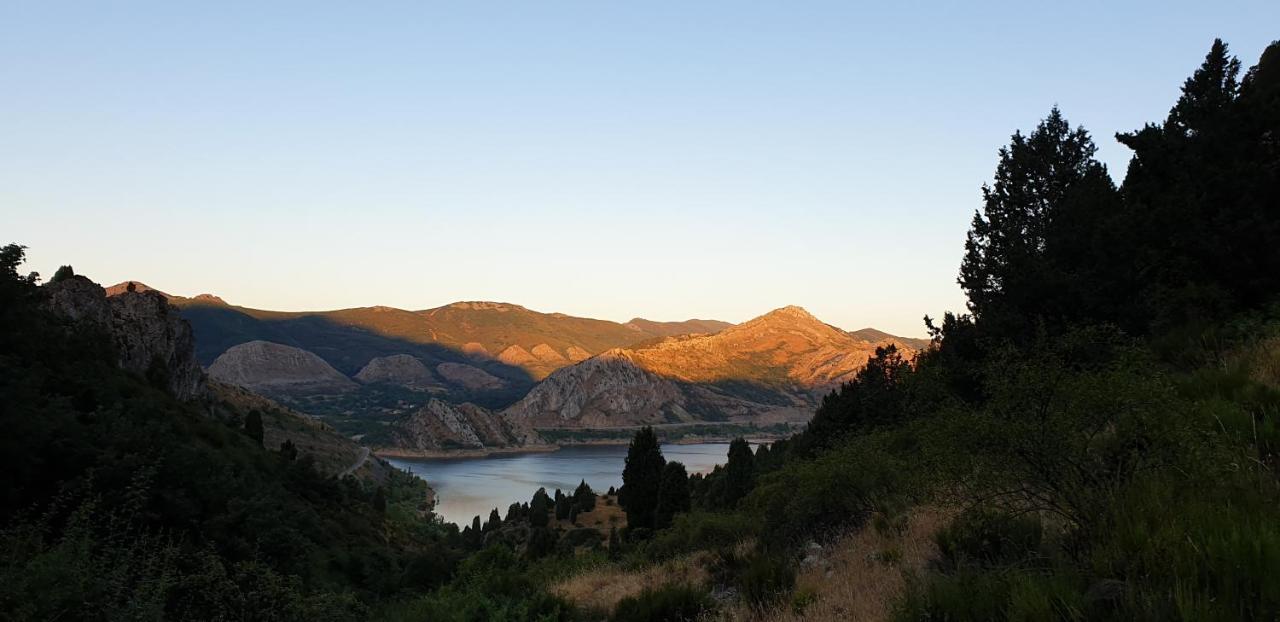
473,378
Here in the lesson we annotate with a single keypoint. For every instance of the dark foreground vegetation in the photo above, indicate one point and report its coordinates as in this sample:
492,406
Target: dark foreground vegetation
1101,428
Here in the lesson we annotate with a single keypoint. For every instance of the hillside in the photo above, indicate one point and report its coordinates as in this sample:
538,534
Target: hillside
768,370
671,329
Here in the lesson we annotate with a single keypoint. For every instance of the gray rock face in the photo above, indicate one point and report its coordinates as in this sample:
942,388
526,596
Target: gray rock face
470,377
439,425
150,337
277,369
608,390
398,369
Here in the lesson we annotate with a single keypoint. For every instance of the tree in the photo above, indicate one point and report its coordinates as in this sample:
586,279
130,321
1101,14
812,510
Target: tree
288,450
641,479
494,522
379,500
1008,270
562,505
1200,196
63,273
253,426
584,498
539,507
739,472
673,495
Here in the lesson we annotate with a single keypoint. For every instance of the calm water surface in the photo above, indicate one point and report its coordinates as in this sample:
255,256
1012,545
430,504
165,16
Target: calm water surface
469,487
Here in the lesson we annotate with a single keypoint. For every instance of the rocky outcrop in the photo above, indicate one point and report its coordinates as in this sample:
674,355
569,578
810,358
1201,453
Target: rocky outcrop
517,356
769,370
605,391
150,337
277,369
548,355
469,377
439,425
671,329
398,369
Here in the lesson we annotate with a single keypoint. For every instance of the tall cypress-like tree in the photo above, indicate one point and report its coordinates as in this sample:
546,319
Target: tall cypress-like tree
641,479
739,472
673,495
253,426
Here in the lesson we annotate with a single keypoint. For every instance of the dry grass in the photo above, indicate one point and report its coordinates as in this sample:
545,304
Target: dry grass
861,585
600,589
604,516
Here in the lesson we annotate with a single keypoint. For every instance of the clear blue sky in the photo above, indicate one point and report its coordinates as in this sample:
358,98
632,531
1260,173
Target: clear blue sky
606,159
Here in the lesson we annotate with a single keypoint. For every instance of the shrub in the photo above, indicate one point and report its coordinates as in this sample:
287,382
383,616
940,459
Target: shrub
671,603
989,538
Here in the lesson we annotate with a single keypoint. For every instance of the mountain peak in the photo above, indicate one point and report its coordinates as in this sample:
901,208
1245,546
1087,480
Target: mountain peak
481,305
791,311
132,286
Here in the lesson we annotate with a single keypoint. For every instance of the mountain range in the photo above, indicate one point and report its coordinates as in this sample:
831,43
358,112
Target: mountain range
484,375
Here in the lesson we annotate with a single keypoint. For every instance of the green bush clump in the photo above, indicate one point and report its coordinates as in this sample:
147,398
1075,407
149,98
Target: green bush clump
671,603
987,537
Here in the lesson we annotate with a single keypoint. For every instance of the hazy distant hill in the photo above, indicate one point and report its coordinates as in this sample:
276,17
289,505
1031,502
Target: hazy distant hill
671,329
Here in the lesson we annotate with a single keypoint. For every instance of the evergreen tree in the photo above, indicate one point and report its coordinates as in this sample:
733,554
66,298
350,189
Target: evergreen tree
673,495
584,498
539,507
63,273
1009,270
379,500
494,522
288,450
562,506
641,478
253,426
739,472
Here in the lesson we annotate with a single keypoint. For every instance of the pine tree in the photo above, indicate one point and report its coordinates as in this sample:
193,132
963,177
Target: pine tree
63,273
739,472
494,522
253,426
288,450
673,495
379,501
539,507
1009,270
584,498
641,478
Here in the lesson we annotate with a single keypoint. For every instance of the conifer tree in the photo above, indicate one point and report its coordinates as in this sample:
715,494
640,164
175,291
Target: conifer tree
673,495
253,426
641,478
739,472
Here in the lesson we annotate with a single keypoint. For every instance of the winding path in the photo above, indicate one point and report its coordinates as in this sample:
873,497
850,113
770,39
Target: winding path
364,455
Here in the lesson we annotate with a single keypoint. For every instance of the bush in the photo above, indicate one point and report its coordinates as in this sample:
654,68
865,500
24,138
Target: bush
671,603
766,579
989,538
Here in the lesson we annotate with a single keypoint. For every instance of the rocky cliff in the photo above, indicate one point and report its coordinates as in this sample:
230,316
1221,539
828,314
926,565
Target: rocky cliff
440,425
398,369
149,335
277,369
768,370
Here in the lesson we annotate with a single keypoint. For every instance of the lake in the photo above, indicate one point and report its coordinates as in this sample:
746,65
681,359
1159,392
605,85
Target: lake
468,487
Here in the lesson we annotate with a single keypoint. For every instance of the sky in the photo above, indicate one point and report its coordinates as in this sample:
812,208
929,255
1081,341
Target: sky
603,159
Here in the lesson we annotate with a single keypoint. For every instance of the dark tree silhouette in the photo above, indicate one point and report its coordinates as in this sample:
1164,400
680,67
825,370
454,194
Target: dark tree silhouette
673,495
739,472
63,273
641,479
253,426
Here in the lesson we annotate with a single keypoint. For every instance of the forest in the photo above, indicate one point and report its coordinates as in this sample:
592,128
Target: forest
1094,438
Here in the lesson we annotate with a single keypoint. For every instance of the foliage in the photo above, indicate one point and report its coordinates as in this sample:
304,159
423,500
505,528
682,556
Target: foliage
641,479
670,603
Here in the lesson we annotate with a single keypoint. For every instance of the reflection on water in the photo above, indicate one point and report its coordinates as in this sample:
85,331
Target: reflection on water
470,487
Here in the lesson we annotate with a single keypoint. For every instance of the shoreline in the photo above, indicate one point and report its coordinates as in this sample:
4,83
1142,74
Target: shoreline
394,453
